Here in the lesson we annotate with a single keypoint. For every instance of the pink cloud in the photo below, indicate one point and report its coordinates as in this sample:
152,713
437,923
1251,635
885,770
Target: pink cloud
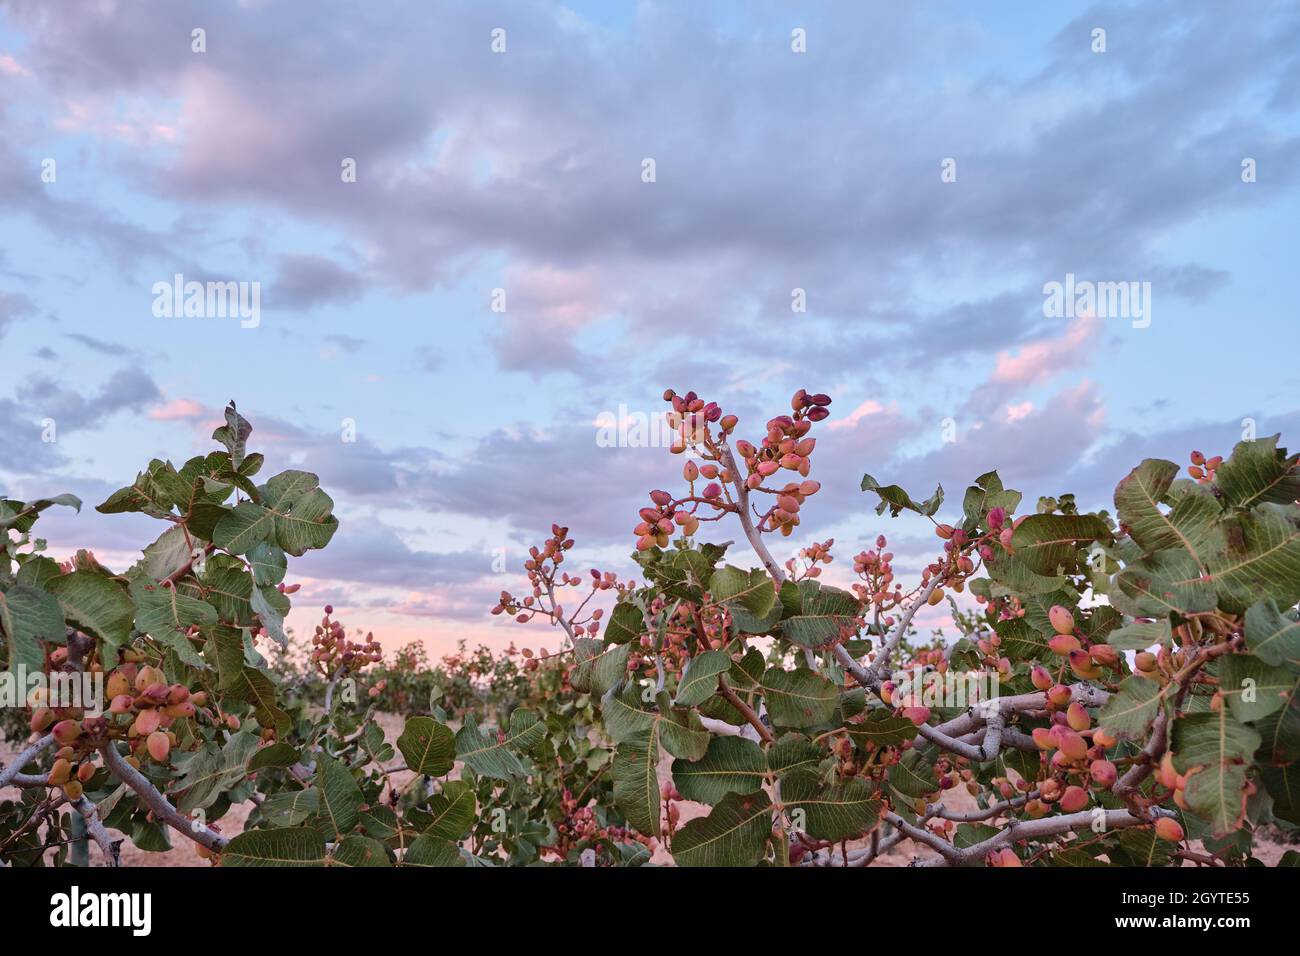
178,409
1017,412
869,407
11,67
1039,361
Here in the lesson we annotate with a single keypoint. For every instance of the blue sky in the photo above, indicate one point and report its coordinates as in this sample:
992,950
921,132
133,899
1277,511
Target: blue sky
522,171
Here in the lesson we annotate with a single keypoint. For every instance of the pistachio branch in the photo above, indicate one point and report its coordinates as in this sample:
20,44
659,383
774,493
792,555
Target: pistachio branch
24,758
159,804
97,832
734,700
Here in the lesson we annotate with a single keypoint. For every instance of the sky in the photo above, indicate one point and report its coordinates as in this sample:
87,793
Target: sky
499,277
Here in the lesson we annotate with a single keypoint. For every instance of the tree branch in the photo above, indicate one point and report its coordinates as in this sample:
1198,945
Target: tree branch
159,804
24,758
734,700
1019,830
97,832
752,534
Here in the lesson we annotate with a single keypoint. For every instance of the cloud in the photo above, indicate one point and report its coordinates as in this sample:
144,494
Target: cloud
473,159
44,407
98,345
14,306
1044,359
308,281
179,409
11,67
869,407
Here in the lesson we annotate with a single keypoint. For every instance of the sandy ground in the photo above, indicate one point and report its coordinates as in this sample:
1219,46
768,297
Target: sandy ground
183,854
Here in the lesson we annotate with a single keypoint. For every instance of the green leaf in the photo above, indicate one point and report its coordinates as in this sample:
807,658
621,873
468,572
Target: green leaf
167,614
882,729
1161,583
95,604
1273,637
1252,688
1257,472
752,590
291,808
341,798
730,765
29,615
432,851
896,499
1219,746
799,698
700,679
600,666
626,623
681,734
452,811
496,758
21,516
913,775
1048,544
428,746
234,435
309,524
209,773
1262,558
262,602
1280,731
279,754
283,491
791,753
845,811
823,613
1190,525
636,782
357,850
1283,785
1014,574
153,492
163,558
1140,635
268,563
229,590
244,528
1131,709
987,494
292,846
735,833
1020,641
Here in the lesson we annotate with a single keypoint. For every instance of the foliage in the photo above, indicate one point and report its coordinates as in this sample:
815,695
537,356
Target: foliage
1123,683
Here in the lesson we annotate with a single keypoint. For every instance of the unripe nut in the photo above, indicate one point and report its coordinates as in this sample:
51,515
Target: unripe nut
1169,829
66,731
159,746
1061,618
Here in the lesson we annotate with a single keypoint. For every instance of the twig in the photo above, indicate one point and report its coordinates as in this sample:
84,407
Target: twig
24,758
159,804
95,829
734,700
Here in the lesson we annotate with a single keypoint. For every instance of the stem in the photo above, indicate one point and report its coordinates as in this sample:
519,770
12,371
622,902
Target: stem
746,522
23,759
159,804
734,700
97,832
